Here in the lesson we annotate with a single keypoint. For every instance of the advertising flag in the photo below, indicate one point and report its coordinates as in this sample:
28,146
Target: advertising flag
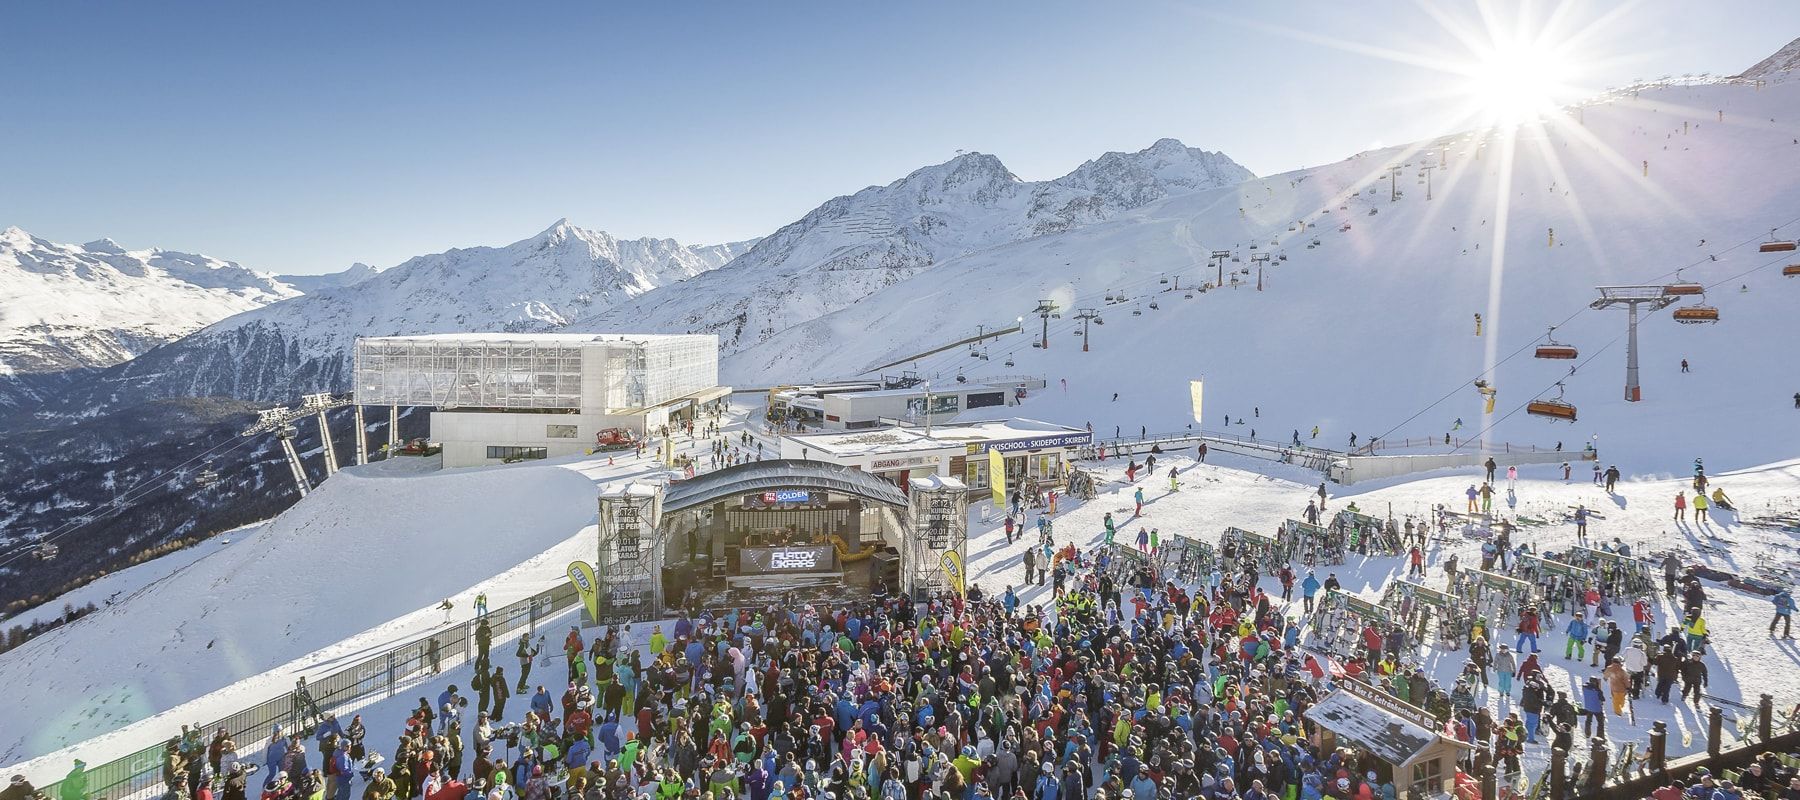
952,563
997,475
1194,390
582,575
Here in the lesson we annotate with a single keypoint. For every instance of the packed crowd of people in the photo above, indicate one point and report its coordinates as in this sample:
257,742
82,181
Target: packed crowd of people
1122,686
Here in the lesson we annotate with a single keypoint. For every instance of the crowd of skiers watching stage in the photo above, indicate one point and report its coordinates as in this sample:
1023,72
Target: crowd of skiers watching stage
1124,686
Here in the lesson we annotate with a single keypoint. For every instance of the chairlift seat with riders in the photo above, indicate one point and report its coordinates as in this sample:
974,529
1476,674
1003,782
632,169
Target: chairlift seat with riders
1551,348
1693,315
1137,312
1554,410
1153,305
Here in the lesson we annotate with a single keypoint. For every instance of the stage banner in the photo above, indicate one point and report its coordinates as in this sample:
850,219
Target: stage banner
997,476
793,558
1194,388
952,563
582,575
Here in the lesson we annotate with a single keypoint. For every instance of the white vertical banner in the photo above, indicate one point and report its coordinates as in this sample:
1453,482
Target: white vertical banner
1194,388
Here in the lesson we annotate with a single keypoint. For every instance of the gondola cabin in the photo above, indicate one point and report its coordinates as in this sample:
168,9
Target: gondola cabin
1776,247
1696,314
1556,351
1791,270
1684,289
1551,409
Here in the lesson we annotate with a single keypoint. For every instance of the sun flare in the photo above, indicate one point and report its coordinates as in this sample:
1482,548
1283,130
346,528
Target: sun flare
1513,84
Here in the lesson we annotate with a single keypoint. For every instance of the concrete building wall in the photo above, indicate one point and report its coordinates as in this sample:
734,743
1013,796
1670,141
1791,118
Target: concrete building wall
467,435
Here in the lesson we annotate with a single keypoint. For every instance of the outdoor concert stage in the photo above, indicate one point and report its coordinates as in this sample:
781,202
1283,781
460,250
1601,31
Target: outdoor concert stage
773,531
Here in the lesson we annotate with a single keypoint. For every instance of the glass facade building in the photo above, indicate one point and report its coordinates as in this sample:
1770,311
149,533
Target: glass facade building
582,373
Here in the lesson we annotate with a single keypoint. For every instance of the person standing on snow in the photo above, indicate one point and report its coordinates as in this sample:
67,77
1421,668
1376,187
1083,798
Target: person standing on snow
1139,497
1110,529
1512,477
1312,513
1174,480
1143,540
1491,466
1577,632
1487,498
1315,432
1612,477
1567,470
1680,507
1784,613
1700,505
1581,518
1321,495
1472,494
1309,589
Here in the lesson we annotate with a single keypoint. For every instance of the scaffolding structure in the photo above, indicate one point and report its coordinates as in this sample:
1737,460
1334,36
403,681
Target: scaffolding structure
940,524
628,556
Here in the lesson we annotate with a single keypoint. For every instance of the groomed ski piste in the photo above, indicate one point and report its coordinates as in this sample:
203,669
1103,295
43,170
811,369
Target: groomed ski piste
1372,330
356,566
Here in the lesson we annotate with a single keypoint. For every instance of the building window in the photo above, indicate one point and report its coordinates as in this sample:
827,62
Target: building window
512,454
560,432
986,399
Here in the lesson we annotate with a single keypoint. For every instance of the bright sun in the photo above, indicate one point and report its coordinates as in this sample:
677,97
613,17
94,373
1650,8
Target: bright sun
1514,84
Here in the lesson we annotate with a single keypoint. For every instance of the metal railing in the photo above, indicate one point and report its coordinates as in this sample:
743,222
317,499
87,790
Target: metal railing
347,690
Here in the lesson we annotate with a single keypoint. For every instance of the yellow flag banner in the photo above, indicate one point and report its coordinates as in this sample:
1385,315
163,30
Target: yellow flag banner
997,476
1194,388
582,576
952,563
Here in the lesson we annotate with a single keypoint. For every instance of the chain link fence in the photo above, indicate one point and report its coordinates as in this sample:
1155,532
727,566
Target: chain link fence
342,692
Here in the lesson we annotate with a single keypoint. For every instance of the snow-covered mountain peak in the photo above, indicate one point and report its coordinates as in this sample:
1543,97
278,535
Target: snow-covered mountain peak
1787,59
104,245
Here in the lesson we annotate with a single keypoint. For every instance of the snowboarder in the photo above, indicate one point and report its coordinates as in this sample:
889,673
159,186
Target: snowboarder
1684,365
1353,440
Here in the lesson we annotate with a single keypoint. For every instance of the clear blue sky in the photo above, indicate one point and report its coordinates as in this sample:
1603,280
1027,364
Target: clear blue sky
302,137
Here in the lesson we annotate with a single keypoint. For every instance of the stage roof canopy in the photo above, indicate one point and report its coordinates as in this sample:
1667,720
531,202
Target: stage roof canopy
786,473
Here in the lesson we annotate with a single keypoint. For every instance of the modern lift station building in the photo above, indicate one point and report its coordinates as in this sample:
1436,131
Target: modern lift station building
507,396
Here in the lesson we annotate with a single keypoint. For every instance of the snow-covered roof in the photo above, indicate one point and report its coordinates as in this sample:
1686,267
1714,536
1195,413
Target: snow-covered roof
935,481
1394,731
950,436
538,338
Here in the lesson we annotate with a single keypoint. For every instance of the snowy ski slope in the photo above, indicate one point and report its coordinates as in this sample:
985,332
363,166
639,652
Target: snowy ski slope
1375,323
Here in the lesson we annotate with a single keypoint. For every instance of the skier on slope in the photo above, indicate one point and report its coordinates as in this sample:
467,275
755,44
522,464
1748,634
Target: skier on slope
1784,613
1139,497
1174,480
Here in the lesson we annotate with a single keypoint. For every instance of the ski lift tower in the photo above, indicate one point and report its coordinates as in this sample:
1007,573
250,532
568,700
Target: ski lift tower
1218,259
1261,261
317,404
1631,297
1045,310
279,421
1086,315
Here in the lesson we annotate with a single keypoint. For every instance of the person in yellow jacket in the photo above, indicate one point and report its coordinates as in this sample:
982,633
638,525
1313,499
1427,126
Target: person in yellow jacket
658,642
1700,506
1696,632
1720,500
